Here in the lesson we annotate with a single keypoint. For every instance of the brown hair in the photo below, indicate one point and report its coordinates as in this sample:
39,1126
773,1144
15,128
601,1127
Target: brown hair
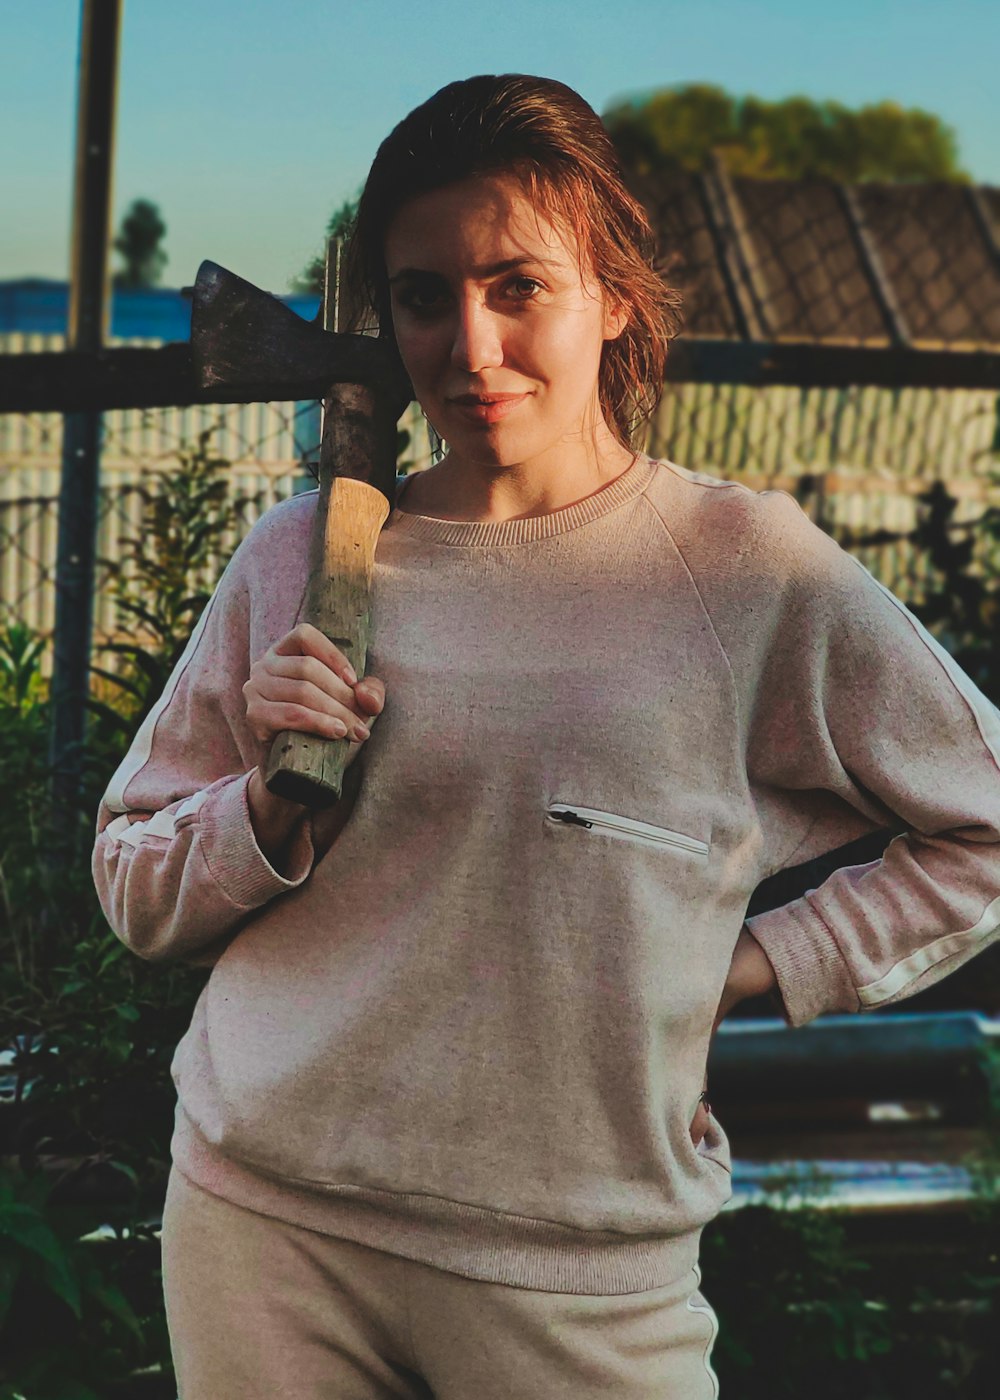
546,134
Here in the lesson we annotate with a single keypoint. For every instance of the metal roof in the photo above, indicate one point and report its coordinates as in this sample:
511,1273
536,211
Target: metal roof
909,265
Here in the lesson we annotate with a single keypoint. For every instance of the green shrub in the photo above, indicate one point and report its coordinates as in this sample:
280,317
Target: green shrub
963,609
85,1130
791,1304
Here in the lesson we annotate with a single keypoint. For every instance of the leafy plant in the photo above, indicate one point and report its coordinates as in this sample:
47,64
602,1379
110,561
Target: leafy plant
984,1163
56,1284
340,224
164,574
24,812
89,1030
963,611
21,685
785,1285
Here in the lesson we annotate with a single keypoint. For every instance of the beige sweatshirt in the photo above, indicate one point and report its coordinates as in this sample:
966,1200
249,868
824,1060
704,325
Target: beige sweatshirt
470,1027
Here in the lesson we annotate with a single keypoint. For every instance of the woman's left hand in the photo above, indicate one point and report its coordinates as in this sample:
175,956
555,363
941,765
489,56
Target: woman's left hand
750,975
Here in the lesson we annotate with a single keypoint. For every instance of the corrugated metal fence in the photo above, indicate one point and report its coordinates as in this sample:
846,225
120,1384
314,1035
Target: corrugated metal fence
856,458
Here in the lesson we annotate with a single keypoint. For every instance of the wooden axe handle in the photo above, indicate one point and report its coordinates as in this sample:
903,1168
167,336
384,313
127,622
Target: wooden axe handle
359,438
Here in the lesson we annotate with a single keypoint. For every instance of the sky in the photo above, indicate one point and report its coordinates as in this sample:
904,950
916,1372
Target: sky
249,121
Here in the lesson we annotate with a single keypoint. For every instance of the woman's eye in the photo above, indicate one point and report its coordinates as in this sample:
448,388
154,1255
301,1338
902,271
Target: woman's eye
525,287
420,299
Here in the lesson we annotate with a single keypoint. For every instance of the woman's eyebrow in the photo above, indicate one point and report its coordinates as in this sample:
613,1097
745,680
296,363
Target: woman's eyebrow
494,270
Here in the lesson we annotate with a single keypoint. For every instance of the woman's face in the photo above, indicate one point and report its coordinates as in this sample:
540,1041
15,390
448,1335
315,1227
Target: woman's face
500,334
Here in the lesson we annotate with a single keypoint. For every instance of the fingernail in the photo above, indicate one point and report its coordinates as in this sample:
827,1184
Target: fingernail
350,675
361,731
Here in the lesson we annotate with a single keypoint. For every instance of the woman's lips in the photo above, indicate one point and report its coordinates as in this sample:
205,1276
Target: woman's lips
490,411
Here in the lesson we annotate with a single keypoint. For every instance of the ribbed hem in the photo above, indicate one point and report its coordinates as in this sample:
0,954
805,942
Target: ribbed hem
492,1246
813,977
233,857
472,533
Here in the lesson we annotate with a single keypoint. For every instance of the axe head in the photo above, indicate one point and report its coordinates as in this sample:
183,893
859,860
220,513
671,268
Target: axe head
246,341
253,346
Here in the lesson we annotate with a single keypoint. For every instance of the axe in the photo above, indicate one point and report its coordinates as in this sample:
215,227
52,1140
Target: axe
248,342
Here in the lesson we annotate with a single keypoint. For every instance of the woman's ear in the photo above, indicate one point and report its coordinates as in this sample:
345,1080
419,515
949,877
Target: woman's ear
615,319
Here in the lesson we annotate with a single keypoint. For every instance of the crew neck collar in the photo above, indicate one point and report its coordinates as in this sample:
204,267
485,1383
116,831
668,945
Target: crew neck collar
535,527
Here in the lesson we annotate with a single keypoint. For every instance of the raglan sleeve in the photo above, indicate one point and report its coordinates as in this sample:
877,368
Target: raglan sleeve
859,703
176,864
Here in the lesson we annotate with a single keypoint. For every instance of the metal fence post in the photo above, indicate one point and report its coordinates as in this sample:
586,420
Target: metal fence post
100,29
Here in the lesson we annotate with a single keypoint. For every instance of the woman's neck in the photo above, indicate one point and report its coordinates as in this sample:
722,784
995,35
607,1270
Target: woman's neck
472,491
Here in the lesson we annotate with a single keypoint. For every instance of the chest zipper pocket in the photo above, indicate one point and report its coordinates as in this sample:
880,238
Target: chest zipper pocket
625,828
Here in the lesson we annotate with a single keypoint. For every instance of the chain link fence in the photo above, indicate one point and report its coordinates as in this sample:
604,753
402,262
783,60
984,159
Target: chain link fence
270,448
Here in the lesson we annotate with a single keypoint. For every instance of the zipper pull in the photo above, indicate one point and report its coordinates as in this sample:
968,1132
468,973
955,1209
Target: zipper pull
572,818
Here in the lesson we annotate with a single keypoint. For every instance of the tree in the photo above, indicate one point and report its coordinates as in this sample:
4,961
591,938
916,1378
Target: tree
794,139
138,243
339,226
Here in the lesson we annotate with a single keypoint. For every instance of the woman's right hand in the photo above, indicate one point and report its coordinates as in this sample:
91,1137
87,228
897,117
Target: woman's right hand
303,683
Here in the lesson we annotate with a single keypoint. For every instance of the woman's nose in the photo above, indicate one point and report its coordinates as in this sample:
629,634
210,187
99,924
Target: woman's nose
478,343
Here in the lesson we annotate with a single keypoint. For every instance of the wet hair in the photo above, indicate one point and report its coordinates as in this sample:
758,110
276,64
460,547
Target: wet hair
546,135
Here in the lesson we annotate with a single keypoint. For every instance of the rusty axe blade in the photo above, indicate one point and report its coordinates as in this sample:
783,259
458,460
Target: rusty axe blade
246,340
243,339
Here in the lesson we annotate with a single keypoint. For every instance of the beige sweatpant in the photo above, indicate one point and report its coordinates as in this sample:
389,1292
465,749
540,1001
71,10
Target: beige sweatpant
261,1310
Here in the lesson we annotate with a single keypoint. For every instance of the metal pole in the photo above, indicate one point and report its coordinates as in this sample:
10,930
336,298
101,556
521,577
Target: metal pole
100,30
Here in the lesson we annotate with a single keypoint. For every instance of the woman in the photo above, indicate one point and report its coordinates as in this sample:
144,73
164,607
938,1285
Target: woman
441,1126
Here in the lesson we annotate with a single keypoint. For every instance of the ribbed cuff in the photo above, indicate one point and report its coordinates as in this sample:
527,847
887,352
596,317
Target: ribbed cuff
813,977
232,854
